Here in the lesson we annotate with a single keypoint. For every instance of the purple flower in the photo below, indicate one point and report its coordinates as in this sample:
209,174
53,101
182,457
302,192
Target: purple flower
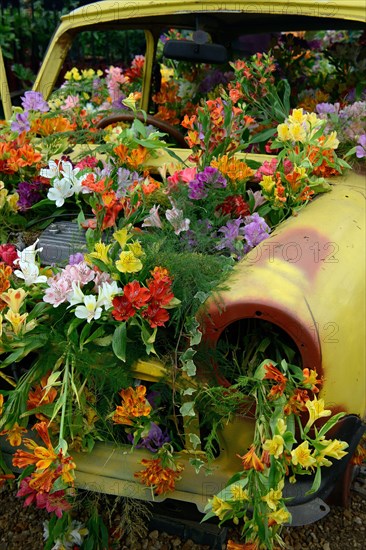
209,177
154,439
233,233
361,147
33,101
212,80
76,259
255,231
197,190
327,108
21,123
29,193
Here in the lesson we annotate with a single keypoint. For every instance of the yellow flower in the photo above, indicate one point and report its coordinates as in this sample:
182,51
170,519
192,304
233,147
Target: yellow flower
14,298
88,73
130,101
273,497
16,320
283,132
297,132
3,195
280,516
14,434
166,73
267,183
281,426
297,116
220,508
313,120
302,455
331,141
128,263
100,252
13,201
122,236
334,448
85,95
239,493
274,446
73,74
316,411
136,249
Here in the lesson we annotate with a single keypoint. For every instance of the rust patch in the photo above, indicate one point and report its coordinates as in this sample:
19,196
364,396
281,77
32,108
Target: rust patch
308,248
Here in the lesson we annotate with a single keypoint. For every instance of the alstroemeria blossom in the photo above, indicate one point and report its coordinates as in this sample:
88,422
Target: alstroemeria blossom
90,310
61,190
30,273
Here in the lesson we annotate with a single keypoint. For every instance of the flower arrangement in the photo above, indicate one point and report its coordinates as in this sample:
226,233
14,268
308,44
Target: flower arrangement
131,296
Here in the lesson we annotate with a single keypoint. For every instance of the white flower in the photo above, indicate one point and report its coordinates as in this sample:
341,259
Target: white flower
106,293
30,273
90,310
69,172
175,217
77,296
28,254
61,190
52,170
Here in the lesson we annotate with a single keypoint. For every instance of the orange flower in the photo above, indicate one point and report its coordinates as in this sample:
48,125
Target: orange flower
100,186
21,459
5,272
49,126
231,545
121,151
109,199
149,185
250,460
233,168
1,403
169,115
5,477
310,377
296,403
154,475
14,434
134,406
42,481
41,396
137,157
272,373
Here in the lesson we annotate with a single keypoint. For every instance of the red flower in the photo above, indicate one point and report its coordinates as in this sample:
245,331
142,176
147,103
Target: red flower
8,254
156,315
123,308
160,291
136,294
235,206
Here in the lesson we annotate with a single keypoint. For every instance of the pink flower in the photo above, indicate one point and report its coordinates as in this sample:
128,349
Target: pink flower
181,176
52,502
58,291
70,102
268,168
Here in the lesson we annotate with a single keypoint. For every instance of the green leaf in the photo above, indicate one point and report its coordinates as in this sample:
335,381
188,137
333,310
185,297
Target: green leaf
104,342
187,409
263,136
119,341
195,440
316,483
190,368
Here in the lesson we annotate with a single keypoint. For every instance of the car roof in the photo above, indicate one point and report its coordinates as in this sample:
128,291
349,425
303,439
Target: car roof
112,10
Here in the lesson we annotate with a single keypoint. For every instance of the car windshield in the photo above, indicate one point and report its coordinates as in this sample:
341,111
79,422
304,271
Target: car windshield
279,71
